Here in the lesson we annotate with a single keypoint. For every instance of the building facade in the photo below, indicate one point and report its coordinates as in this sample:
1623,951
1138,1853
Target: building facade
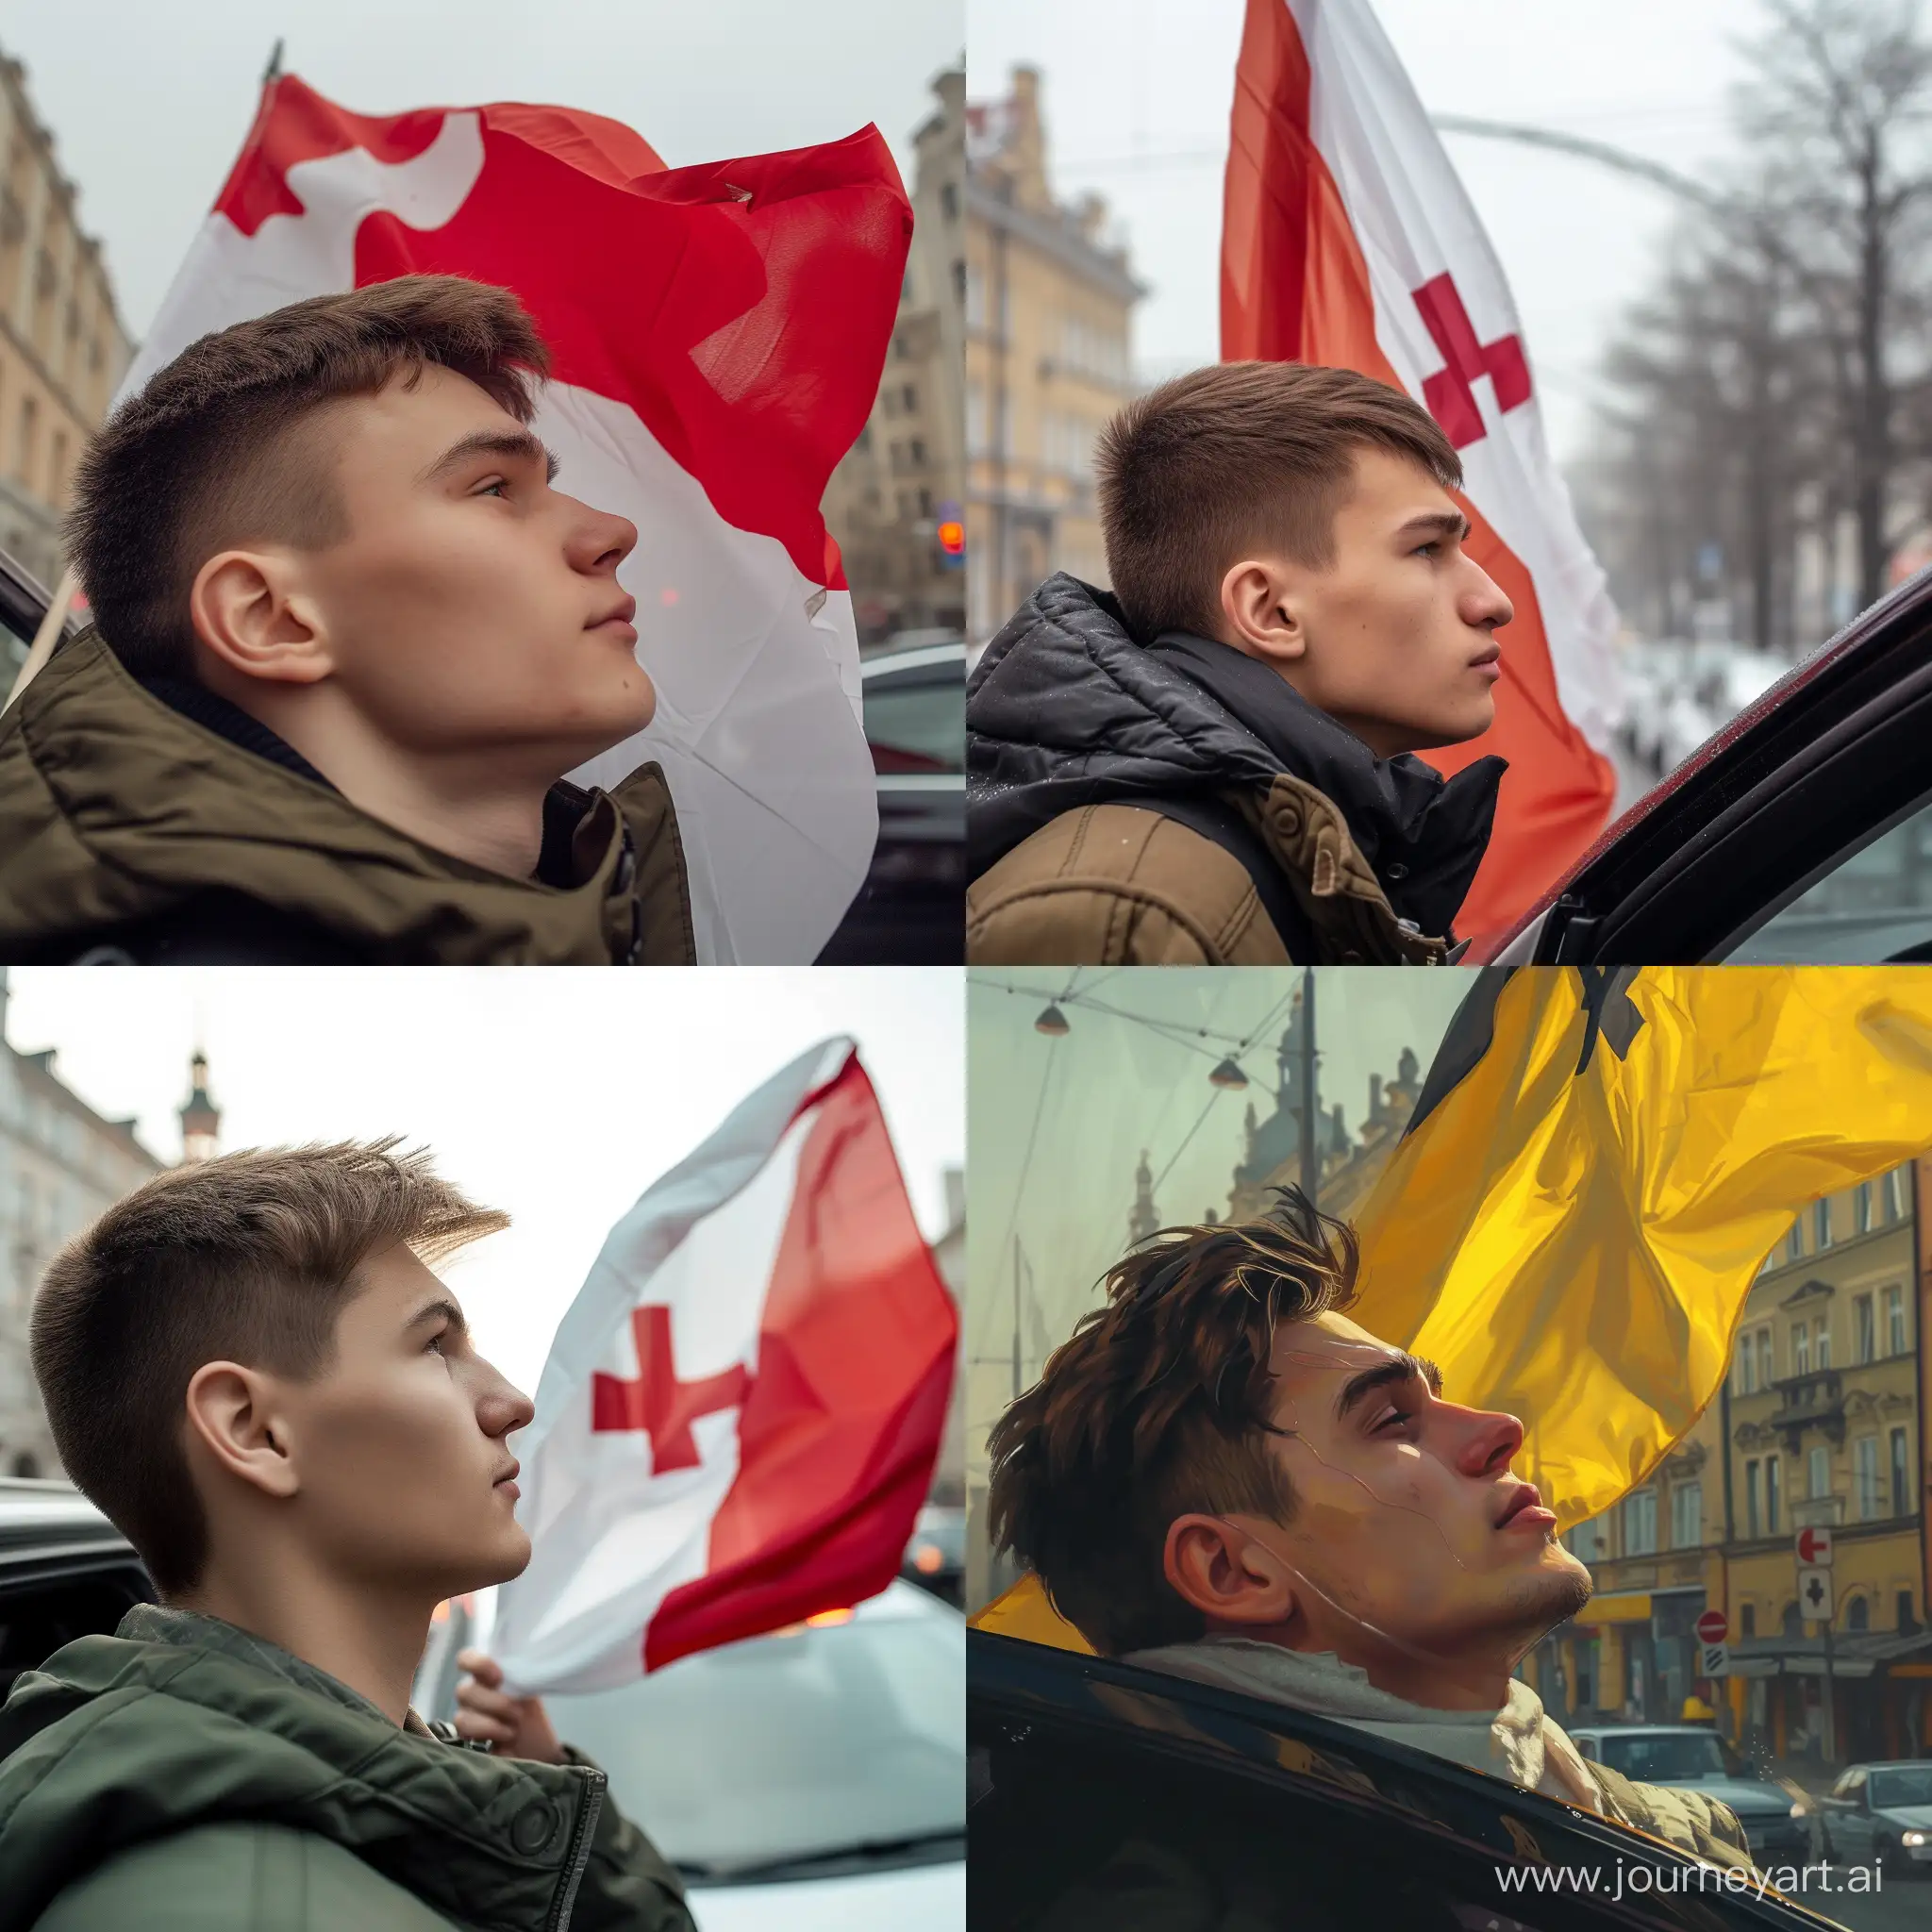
62,1165
1049,303
63,349
894,502
1819,1423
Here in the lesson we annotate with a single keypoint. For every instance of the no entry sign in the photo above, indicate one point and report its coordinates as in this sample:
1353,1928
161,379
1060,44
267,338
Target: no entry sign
1713,1627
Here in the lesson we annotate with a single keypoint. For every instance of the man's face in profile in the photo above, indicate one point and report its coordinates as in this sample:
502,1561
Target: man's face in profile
401,1442
472,606
1408,1520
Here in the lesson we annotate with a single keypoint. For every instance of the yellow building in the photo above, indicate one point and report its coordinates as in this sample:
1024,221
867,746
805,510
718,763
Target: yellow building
62,348
1818,1424
903,481
1049,298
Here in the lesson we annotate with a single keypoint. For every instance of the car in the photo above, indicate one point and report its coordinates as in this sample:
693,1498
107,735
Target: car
23,601
1695,1757
1881,1814
935,1560
805,1781
912,910
1102,1794
1800,833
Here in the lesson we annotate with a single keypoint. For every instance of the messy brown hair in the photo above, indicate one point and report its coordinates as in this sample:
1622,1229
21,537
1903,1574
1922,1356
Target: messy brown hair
1156,1406
247,1258
1239,455
223,446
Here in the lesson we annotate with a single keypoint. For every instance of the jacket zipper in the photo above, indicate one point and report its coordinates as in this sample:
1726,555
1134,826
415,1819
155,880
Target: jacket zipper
595,1782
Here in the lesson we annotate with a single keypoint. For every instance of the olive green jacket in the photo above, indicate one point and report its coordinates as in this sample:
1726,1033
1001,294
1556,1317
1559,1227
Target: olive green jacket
184,1775
121,816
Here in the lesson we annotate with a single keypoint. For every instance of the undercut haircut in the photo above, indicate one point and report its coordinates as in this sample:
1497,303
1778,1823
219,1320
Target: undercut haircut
228,444
1157,1406
1235,459
247,1258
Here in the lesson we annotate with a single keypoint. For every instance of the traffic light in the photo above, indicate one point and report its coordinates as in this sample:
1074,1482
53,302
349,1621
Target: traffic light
950,533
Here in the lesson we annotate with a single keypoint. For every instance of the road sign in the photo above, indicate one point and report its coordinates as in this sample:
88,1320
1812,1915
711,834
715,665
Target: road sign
1814,1548
1713,1659
1814,1594
1713,1627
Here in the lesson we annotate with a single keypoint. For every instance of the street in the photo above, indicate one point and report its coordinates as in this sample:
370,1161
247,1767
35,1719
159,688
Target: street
1899,1905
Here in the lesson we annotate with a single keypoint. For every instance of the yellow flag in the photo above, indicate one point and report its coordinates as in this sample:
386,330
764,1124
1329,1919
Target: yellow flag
1600,1162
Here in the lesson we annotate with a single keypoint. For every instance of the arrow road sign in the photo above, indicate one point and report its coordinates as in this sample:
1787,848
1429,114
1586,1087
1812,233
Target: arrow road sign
1814,1547
1713,1659
1712,1627
1814,1594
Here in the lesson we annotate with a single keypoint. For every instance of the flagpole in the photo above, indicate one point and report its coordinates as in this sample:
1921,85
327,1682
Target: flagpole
42,646
1311,1157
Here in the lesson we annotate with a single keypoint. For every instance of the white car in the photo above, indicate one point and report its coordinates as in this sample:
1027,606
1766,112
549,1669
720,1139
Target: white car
814,1780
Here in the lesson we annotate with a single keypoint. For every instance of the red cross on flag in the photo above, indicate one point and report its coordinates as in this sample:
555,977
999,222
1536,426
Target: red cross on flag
716,333
741,1409
1348,240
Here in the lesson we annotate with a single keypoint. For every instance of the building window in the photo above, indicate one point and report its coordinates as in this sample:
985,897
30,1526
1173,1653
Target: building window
1857,1614
1801,1348
1895,1194
1900,1476
1821,1216
1861,1208
1864,1343
1639,1523
1774,1495
1865,1475
959,283
975,297
1820,1470
1586,1542
1752,1513
1745,1381
24,448
909,399
1821,1354
1895,1343
1747,1621
949,200
975,419
1794,1242
1765,1375
1687,1516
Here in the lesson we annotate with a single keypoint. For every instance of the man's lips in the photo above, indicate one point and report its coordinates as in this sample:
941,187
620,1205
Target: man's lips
508,1480
1524,1504
1489,662
620,614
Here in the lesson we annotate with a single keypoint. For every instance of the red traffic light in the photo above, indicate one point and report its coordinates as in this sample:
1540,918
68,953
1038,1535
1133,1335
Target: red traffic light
952,538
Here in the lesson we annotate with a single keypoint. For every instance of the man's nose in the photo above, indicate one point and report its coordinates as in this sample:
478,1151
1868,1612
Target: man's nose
600,541
1483,604
1488,1440
504,1407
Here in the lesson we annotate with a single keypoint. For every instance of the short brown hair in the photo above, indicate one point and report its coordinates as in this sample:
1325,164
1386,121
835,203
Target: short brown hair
1157,1406
249,1258
206,454
1197,471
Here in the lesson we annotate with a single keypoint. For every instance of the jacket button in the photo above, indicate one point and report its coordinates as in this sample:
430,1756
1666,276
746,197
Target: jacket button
626,866
1398,871
534,1827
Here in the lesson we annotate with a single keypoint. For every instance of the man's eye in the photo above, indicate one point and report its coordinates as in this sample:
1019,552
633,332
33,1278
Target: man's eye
1432,548
1394,1415
497,484
434,1345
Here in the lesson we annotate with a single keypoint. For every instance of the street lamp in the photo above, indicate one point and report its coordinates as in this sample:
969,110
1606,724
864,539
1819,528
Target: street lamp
1053,1022
1226,1074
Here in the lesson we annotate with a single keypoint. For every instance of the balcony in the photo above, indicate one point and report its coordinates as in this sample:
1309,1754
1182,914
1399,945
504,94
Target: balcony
1815,1400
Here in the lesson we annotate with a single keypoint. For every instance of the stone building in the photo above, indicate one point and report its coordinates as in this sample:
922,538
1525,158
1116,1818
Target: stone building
1049,299
61,1164
63,347
899,489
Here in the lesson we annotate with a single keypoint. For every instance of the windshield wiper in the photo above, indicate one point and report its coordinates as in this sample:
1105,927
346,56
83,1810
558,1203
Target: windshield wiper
861,1851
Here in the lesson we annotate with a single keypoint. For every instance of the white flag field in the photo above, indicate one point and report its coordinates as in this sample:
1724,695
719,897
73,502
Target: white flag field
740,1412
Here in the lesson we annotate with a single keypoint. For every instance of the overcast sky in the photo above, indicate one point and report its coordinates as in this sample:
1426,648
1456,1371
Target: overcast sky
149,102
1110,1088
1137,91
556,1094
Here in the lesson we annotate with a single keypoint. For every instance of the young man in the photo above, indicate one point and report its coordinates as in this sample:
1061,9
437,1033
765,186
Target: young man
1224,1477
347,637
1214,765
249,1367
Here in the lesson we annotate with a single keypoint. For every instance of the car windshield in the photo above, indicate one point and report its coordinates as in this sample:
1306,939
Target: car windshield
1910,1786
1662,1757
810,1743
915,721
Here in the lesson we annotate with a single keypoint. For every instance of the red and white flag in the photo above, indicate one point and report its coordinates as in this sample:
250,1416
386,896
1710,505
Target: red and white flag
739,1416
1348,240
717,335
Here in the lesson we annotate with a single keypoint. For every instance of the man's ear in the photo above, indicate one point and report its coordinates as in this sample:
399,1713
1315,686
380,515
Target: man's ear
229,1413
250,615
1226,1573
1259,610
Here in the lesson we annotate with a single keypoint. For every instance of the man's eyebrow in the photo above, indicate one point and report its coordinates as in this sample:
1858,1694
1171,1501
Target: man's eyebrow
513,445
1447,523
443,1309
1400,1367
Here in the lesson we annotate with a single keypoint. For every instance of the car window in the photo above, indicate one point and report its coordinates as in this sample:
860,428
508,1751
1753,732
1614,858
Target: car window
803,1744
1911,1785
1662,1757
1871,903
1079,1830
39,1614
915,721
